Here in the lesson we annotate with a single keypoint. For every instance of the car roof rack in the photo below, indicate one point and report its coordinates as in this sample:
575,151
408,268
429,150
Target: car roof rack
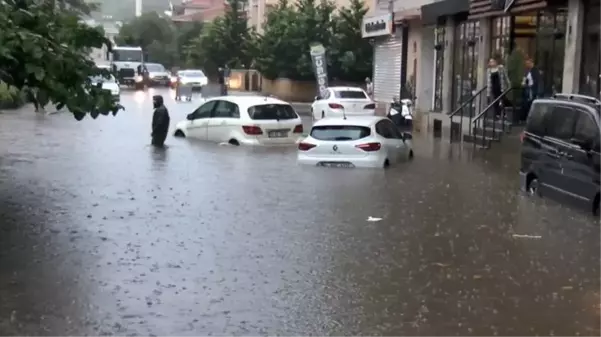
585,98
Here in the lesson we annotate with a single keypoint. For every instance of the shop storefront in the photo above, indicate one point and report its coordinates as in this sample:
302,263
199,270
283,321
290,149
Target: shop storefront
590,76
388,51
465,61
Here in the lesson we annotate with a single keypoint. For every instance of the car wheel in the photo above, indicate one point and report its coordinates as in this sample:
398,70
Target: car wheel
386,163
533,187
179,133
234,142
410,154
596,205
323,114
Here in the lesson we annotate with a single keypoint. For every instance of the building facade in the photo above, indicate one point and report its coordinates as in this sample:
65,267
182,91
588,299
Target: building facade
561,36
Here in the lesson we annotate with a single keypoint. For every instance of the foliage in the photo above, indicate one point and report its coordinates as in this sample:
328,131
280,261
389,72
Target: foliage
226,40
515,71
10,97
157,36
45,48
283,49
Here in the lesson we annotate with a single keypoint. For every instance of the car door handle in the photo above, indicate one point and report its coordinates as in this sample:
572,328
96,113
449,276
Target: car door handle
553,153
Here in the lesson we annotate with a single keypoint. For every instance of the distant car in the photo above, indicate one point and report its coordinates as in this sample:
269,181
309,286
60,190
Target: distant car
243,120
109,84
362,141
339,101
561,150
195,79
158,75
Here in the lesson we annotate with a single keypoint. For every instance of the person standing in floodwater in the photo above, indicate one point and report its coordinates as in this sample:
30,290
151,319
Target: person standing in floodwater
160,121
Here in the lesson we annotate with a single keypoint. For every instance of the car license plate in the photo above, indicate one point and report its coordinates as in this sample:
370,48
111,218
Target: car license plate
336,164
277,134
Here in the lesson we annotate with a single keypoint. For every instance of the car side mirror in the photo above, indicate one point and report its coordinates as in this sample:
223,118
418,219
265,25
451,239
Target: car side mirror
407,136
190,117
317,98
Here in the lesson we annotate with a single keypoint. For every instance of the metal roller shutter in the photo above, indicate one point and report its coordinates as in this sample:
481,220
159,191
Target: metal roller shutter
387,67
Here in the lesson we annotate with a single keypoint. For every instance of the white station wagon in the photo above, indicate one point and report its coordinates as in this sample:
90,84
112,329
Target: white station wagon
243,120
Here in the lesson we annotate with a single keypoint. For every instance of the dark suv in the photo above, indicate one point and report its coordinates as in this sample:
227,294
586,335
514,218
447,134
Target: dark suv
560,150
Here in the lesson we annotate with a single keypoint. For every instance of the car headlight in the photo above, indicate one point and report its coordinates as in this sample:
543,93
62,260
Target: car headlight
139,78
204,81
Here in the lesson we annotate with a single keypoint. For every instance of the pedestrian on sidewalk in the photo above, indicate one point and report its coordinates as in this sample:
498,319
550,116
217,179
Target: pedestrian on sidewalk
532,85
498,82
369,88
160,121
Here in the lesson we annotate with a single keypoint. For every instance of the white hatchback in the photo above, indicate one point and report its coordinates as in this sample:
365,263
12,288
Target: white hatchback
243,120
366,141
341,101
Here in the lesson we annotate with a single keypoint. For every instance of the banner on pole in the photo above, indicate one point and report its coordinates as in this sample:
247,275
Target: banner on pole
320,67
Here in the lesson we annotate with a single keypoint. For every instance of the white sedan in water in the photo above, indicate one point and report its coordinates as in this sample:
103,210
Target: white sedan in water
364,141
342,101
243,120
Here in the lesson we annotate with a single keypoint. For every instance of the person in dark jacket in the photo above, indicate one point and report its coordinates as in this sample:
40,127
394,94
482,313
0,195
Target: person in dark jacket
532,86
160,121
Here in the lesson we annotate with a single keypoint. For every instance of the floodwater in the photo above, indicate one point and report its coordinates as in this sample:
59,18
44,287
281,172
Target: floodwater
102,234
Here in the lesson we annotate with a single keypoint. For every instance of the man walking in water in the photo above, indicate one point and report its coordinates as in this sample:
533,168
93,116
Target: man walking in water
160,121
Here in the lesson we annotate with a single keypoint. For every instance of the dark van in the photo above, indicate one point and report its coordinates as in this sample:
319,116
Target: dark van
560,150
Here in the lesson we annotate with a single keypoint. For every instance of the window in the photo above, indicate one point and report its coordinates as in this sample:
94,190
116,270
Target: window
102,79
271,111
225,109
340,132
536,118
194,73
127,55
383,129
155,67
204,111
352,94
560,123
586,129
396,134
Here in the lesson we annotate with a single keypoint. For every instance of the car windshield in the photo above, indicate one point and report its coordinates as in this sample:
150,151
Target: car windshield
127,55
353,94
340,132
155,67
272,111
102,79
193,73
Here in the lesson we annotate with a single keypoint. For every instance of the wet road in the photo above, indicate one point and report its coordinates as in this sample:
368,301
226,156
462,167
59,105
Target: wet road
101,234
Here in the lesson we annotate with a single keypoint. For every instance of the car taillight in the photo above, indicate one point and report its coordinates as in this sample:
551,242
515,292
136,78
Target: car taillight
335,106
370,106
252,130
369,147
298,129
305,146
522,136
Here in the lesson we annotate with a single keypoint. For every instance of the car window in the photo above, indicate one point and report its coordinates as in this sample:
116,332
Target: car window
536,118
394,131
384,130
225,109
353,94
271,111
204,111
155,67
340,132
586,129
561,121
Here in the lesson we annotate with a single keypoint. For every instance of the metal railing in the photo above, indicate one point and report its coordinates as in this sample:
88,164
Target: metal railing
479,122
461,109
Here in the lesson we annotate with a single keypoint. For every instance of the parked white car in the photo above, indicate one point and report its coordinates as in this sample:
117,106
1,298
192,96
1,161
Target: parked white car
339,101
243,120
363,141
108,84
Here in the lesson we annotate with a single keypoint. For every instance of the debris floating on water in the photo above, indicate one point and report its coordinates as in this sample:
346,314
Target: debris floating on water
372,219
525,236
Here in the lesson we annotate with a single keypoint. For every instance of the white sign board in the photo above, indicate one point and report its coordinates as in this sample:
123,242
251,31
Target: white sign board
377,26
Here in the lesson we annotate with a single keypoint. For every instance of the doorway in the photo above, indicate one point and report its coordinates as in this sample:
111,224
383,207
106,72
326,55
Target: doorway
590,74
465,62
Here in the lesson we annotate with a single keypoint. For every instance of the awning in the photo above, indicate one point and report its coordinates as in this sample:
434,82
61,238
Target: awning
431,12
407,15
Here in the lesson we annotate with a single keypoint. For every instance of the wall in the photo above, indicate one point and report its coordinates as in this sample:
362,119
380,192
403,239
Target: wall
296,91
414,52
425,76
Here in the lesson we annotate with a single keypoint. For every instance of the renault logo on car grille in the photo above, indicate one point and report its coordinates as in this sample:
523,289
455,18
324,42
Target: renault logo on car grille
335,147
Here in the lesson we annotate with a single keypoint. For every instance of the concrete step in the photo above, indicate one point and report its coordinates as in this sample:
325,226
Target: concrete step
498,125
496,134
484,142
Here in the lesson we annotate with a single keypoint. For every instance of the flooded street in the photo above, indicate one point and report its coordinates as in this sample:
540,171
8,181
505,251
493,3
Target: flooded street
101,234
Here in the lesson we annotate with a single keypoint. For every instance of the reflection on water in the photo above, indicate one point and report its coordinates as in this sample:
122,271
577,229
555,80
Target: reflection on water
199,238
